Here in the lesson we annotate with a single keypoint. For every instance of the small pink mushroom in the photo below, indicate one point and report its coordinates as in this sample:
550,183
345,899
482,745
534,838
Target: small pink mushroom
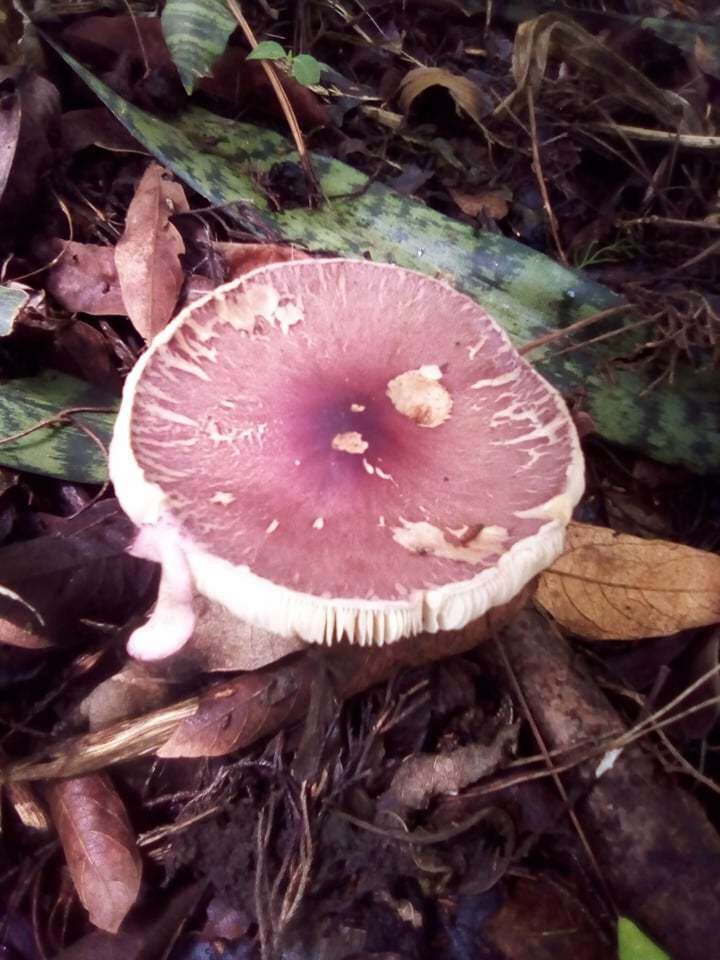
337,448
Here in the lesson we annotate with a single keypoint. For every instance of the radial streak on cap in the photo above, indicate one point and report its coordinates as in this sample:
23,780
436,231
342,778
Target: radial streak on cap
345,448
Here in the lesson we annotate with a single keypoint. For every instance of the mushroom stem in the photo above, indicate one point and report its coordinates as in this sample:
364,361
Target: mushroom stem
172,620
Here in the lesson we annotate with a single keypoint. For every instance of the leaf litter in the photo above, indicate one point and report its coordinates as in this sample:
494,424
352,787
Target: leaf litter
402,803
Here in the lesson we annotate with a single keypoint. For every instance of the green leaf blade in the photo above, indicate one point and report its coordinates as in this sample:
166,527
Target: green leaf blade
633,944
64,451
196,33
268,50
306,69
12,302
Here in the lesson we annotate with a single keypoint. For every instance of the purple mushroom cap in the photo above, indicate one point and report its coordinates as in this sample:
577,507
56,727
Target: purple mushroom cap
340,448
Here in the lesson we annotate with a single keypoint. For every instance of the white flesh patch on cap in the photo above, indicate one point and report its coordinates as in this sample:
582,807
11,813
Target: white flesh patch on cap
318,523
258,301
422,537
500,381
272,526
357,407
350,442
223,498
419,395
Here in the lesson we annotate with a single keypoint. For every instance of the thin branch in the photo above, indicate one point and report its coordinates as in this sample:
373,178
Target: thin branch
573,328
61,418
537,167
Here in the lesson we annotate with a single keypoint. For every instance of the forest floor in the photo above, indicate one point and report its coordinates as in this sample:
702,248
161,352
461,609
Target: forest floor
550,792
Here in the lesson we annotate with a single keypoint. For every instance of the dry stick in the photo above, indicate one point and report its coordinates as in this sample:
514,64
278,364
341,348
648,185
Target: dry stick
670,222
519,693
573,328
605,336
285,105
537,166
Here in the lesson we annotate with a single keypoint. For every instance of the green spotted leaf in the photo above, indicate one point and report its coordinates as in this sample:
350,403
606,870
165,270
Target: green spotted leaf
634,945
268,50
526,291
196,33
63,451
13,299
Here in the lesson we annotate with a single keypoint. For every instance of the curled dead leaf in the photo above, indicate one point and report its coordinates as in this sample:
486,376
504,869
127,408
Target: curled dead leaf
19,621
613,586
147,256
466,94
99,846
29,113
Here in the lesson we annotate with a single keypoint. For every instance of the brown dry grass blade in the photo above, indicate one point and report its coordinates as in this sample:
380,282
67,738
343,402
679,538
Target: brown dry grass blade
148,254
613,586
558,36
99,846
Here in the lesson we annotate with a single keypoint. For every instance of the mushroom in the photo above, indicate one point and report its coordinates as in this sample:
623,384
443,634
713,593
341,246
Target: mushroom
338,449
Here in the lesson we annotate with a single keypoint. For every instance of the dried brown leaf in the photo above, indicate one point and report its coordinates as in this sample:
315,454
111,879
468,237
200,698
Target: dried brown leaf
222,642
492,203
29,112
146,937
465,93
244,84
80,572
241,258
422,776
99,846
9,128
612,586
148,254
85,278
235,714
130,692
95,126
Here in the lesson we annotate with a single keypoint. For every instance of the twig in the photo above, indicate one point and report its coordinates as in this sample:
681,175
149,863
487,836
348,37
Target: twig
283,100
573,328
693,141
58,256
605,336
417,837
670,222
62,417
537,166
